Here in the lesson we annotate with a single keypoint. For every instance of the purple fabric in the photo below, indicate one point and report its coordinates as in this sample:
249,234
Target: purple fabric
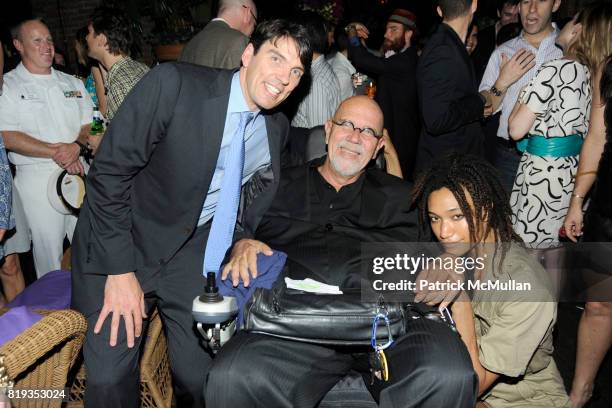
268,269
52,291
16,320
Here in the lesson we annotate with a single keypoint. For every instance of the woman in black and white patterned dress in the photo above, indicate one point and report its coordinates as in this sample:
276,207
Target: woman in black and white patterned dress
550,117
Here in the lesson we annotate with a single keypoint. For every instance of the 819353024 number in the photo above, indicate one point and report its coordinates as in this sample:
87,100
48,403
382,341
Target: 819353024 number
35,394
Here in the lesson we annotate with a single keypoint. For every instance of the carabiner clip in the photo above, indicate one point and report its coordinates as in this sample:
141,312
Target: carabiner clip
448,315
377,318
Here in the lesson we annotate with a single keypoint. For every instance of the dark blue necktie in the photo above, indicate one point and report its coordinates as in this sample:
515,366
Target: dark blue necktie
224,219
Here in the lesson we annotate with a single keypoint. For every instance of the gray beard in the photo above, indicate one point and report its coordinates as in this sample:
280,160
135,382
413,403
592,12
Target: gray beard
351,171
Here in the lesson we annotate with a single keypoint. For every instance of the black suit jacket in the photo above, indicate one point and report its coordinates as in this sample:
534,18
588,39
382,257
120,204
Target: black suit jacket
396,93
151,174
328,249
448,94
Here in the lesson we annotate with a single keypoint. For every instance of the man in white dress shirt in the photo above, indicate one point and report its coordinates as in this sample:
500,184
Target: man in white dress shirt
322,96
511,66
341,65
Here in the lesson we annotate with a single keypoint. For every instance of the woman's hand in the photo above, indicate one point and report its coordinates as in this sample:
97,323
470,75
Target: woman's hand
574,220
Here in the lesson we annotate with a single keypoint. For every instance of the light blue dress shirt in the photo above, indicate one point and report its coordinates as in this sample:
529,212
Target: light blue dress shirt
257,151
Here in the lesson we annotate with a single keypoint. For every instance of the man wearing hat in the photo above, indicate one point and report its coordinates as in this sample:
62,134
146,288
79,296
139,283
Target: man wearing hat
396,80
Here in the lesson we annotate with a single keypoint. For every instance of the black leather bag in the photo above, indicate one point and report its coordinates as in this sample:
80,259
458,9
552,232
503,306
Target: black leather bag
342,320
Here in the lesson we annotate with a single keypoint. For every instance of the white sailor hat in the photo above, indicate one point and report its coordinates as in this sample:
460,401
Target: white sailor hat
66,191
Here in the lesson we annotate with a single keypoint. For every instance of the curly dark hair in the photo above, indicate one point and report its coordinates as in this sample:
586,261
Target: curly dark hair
465,175
113,23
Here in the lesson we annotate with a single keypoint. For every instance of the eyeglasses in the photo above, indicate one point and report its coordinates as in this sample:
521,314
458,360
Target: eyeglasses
349,126
252,14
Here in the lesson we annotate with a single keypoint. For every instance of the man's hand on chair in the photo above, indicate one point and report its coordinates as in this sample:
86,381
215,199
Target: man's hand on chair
244,259
123,297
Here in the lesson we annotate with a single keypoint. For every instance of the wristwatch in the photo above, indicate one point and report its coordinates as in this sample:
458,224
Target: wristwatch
83,149
350,27
495,91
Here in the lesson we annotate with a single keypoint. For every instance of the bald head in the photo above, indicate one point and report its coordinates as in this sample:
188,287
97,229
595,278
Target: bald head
362,107
241,15
228,4
34,43
18,30
353,137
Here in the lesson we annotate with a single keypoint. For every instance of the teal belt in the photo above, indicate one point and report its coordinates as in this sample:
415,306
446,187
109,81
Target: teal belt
551,146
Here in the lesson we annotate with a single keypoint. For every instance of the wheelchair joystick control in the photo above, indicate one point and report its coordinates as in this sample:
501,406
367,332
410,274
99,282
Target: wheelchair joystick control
214,314
211,290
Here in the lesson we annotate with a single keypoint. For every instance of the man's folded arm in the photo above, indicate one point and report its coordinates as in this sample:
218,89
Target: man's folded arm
15,139
22,143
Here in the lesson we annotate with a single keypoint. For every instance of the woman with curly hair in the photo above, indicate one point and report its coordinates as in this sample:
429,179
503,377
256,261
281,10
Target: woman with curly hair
507,333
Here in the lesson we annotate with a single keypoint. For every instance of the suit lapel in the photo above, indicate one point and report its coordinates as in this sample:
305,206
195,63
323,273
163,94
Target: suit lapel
274,140
214,109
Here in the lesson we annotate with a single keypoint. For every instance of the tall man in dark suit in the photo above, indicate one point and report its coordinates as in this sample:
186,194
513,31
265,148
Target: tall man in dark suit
448,92
396,89
159,177
323,213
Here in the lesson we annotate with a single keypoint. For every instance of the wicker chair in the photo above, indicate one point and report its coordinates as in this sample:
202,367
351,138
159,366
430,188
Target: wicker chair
41,357
155,377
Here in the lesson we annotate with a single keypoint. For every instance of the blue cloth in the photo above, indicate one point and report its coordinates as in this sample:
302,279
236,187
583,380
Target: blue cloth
563,146
268,269
257,151
7,220
224,220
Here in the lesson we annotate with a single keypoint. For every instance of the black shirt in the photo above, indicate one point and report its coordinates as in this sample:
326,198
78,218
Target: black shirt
322,229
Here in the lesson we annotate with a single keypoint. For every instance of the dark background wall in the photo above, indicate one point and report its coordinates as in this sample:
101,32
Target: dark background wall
64,17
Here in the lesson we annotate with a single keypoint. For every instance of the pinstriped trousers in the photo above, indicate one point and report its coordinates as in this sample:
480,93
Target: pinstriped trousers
429,367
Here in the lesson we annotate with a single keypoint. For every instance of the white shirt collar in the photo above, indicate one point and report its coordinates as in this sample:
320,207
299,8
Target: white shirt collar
24,72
